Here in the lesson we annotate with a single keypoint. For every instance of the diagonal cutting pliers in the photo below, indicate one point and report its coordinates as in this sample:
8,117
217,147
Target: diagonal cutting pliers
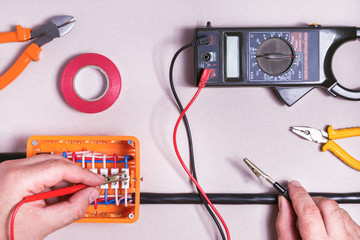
321,136
56,27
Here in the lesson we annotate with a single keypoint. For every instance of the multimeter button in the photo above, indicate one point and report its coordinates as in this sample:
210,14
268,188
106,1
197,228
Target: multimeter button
315,25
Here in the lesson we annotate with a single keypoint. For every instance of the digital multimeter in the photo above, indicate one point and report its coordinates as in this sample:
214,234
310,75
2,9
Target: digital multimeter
292,60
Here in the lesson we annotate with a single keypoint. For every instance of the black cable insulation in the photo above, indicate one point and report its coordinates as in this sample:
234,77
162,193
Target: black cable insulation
189,137
236,198
11,156
217,198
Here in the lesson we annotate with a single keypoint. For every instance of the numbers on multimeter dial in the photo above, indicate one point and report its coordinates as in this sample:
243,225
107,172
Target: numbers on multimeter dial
271,57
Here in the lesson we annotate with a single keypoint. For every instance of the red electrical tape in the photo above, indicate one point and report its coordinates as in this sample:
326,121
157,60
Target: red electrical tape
88,60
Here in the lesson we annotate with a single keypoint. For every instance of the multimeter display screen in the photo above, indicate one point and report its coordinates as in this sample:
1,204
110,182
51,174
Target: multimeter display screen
232,57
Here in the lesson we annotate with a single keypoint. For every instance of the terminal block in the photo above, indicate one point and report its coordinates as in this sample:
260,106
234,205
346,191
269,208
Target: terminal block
105,155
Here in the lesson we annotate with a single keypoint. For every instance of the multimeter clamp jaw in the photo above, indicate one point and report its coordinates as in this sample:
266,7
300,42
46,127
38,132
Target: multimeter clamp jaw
251,57
335,88
338,90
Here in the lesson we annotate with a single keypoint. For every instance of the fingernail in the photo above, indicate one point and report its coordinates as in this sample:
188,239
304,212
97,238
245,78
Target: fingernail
93,195
295,183
100,177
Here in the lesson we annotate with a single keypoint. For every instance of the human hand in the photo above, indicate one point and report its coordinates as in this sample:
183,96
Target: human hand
25,177
318,218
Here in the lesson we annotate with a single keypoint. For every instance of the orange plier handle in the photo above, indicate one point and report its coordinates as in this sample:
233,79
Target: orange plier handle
32,52
21,35
339,151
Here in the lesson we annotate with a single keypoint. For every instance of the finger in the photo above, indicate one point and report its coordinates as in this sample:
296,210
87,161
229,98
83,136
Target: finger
332,216
311,225
12,165
286,221
50,172
37,158
351,227
62,184
68,211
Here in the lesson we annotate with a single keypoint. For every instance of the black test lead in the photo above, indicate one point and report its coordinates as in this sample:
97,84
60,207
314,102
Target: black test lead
259,173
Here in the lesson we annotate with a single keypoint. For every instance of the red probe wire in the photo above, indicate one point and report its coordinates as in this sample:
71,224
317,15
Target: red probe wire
42,196
69,190
204,78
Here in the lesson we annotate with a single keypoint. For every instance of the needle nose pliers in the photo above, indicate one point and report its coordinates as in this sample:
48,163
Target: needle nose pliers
56,27
321,136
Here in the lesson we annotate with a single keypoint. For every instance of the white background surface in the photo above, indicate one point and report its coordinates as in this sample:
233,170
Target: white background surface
228,124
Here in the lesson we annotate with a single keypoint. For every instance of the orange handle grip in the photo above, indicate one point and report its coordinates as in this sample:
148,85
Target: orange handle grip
343,133
21,35
340,153
31,53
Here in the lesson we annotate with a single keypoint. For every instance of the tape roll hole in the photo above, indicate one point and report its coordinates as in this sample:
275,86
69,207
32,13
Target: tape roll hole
91,83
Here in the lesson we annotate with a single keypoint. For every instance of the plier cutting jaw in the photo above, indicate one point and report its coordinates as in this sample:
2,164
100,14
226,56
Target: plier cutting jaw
321,136
56,27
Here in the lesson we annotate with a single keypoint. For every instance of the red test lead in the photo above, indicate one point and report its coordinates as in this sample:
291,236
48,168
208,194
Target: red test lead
42,196
55,193
204,78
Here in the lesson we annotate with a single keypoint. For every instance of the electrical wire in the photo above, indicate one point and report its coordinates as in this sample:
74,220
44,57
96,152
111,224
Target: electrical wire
105,196
188,171
104,161
203,80
101,161
73,157
116,196
126,160
188,132
83,161
115,160
112,200
237,198
87,154
42,196
116,189
126,166
13,216
11,156
93,161
217,198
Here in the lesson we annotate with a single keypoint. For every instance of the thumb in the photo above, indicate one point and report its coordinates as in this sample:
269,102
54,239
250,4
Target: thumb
286,221
63,213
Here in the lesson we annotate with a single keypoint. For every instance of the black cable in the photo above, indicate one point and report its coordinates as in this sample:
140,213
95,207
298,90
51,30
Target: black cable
11,156
236,198
188,131
216,198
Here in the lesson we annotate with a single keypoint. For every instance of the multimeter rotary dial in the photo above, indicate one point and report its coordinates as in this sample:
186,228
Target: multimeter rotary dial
275,56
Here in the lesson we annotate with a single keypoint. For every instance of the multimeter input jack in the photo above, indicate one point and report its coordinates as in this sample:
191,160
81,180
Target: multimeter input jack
206,57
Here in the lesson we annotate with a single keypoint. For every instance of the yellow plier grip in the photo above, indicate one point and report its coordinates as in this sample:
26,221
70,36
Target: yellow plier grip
339,151
32,52
343,133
